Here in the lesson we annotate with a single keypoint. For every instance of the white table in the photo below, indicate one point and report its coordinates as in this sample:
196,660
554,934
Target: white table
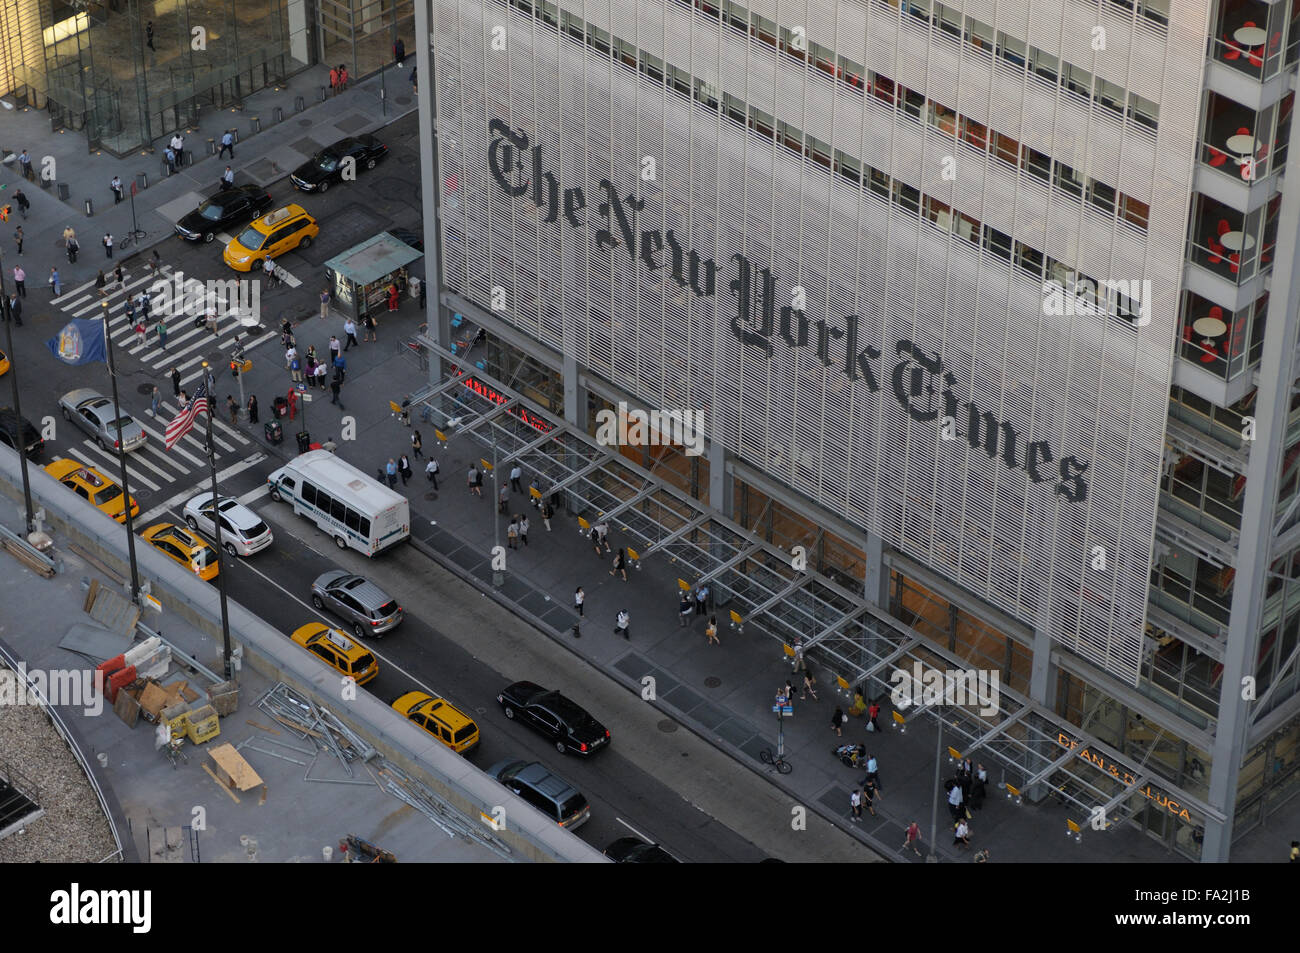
1250,36
1242,145
1233,241
1209,327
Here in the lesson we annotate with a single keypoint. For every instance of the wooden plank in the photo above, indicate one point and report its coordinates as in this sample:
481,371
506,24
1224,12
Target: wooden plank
230,761
221,784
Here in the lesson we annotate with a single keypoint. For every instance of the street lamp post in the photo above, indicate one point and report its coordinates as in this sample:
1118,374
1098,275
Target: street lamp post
216,531
933,856
498,577
121,454
18,408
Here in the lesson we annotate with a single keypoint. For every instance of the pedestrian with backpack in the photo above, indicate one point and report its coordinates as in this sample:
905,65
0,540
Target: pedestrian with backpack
837,722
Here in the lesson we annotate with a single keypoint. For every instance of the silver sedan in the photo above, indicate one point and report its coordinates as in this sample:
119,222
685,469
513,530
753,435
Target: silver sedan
99,417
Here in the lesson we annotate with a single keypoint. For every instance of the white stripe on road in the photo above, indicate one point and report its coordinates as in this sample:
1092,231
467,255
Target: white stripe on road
225,474
133,477
252,496
159,454
162,442
190,436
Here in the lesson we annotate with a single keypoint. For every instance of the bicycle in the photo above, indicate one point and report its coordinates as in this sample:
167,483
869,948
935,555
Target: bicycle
775,760
131,238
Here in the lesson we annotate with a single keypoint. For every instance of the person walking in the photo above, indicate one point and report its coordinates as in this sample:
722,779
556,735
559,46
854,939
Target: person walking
73,247
324,302
470,482
155,397
855,805
622,623
702,599
417,445
107,242
292,397
431,472
23,205
334,392
516,474
18,238
116,186
512,533
837,722
809,685
598,533
869,794
20,281
140,332
334,80
233,406
148,35
711,632
178,146
415,83
912,838
955,807
399,52
873,712
170,155
978,790
119,278
873,771
390,473
343,77
16,309
370,323
161,327
252,408
547,512
227,144
579,597
859,705
350,330
961,834
404,467
335,348
799,662
25,163
320,376
503,499
56,285
268,272
684,609
211,320
176,382
228,182
523,529
101,283
620,564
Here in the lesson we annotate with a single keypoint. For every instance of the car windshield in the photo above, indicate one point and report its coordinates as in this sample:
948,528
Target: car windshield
108,494
252,239
211,211
326,161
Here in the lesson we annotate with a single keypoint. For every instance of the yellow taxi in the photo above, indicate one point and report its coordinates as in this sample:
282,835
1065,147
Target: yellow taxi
271,236
439,718
4,363
186,547
89,484
337,651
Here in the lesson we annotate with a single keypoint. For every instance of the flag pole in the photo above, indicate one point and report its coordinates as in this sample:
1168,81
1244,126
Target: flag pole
216,529
121,455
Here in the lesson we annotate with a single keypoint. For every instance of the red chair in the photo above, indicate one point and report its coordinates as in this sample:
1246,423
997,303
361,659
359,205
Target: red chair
1256,59
1216,312
1217,158
1234,262
1275,43
1243,131
1224,227
1210,353
1216,251
1232,51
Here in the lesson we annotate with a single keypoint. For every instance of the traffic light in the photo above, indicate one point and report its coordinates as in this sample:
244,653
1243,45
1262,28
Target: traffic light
234,368
4,213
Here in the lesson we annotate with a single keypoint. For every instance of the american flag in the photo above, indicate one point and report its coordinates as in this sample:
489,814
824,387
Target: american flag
185,419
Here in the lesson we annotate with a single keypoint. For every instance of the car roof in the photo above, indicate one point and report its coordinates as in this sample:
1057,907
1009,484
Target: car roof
525,690
540,777
279,216
82,394
366,591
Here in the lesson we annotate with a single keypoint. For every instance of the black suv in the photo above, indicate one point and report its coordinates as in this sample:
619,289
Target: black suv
568,725
15,430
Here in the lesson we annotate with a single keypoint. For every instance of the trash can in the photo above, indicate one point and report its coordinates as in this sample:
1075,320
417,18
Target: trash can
274,432
304,441
281,407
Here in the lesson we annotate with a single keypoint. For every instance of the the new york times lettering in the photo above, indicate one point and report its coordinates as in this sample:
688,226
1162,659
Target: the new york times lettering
915,381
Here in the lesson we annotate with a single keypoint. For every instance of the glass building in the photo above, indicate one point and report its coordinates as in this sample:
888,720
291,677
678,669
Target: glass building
126,72
974,301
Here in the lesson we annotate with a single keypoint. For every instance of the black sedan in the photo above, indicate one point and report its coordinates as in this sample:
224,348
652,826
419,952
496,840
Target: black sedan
328,165
633,850
224,210
568,725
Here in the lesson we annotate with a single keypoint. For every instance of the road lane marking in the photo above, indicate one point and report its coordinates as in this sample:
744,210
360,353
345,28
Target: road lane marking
191,491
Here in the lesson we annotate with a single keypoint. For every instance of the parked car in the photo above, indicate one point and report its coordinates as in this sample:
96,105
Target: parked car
326,166
567,724
439,718
549,793
16,431
633,850
337,651
89,484
185,546
4,363
100,417
242,531
224,210
369,609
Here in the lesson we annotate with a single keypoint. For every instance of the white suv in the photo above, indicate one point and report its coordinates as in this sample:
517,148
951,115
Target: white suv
242,531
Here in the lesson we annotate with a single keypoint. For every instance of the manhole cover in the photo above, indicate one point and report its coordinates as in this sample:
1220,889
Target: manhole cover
712,682
667,726
480,711
144,389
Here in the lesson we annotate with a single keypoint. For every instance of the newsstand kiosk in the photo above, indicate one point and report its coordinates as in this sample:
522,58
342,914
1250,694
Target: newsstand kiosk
359,278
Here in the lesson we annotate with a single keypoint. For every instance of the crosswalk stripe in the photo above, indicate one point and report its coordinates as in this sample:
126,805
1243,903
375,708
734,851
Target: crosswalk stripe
133,476
155,454
202,427
160,437
226,428
137,456
121,297
226,474
252,496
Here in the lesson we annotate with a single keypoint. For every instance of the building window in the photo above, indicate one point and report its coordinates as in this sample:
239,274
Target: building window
1131,210
1030,259
1101,195
907,197
1012,50
881,182
1067,179
1038,164
997,242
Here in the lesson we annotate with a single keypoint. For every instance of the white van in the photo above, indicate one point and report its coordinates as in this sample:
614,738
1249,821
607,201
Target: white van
356,510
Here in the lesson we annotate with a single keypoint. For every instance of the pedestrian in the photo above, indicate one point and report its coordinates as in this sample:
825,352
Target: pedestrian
155,262
335,347
228,182
399,52
25,163
684,609
578,598
140,332
16,309
292,397
873,712
101,283
961,834
227,144
597,536
329,445
211,320
320,376
370,323
954,799
334,391
431,472
964,778
621,624
978,790
148,35
523,529
512,533
18,238
404,467
869,794
20,281
620,564
390,472
415,85
343,77
855,805
859,704
234,409
394,297
478,482
417,445
116,186
73,246
252,408
107,242
178,147
798,653
702,599
23,205
154,399
55,284
515,475
837,722
535,489
170,155
788,691
873,770
547,513
1295,851
469,479
350,330
711,632
913,838
176,381
183,399
268,272
119,277
334,80
809,685
324,302
503,499
162,332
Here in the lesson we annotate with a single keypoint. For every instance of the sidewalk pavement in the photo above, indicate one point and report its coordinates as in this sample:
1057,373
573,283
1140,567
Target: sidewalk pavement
723,693
261,158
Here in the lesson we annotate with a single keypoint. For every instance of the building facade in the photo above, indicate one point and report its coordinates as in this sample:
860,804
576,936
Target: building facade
972,301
